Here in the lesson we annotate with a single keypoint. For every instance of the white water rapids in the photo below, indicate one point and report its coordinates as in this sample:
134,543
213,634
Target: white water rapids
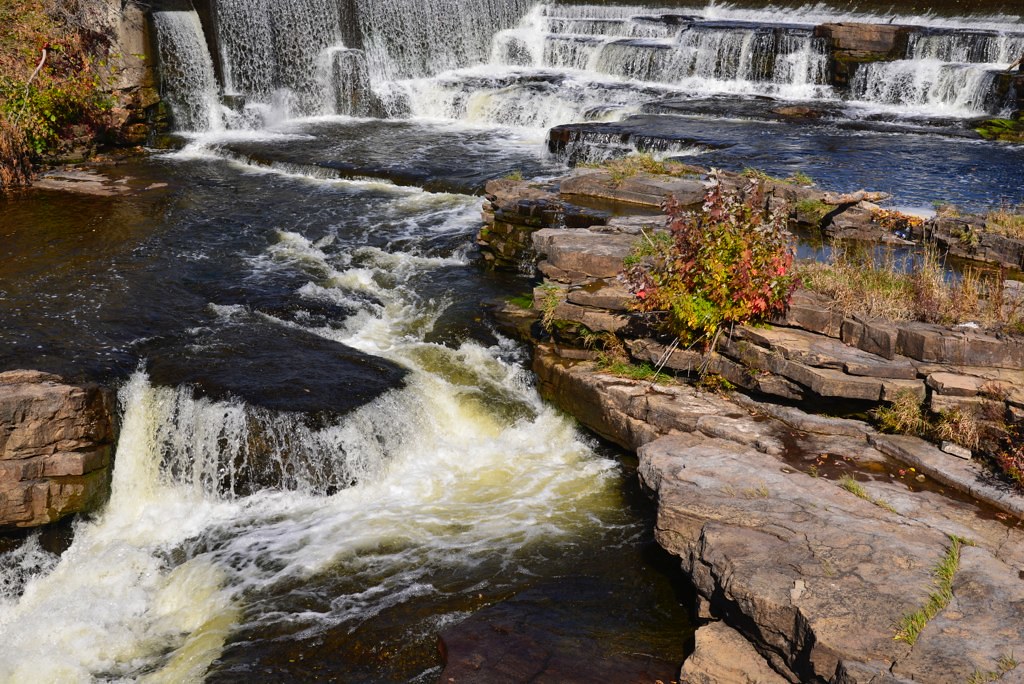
461,470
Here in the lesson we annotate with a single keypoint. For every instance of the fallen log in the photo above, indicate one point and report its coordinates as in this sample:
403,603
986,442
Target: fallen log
854,197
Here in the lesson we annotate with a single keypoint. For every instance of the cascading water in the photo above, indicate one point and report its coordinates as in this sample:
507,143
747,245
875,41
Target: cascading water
989,48
186,71
442,491
287,58
935,87
240,539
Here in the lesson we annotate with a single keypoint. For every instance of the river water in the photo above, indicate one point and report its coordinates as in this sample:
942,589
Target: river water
327,453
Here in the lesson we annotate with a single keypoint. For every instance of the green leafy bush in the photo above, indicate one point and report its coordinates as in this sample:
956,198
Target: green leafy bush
729,262
49,76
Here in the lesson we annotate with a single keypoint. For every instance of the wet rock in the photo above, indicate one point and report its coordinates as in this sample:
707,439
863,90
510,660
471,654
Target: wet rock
723,656
965,476
542,635
852,44
275,367
55,448
798,112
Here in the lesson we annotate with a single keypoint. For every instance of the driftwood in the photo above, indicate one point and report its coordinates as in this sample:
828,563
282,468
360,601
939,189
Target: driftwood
854,197
28,84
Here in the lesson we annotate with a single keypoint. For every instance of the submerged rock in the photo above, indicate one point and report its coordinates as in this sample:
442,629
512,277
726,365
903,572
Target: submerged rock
543,635
276,367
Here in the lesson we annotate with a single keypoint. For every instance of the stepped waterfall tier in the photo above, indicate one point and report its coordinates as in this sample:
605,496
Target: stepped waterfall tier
291,59
328,454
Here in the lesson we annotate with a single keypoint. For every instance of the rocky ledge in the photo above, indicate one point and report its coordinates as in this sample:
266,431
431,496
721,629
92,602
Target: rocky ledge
606,202
55,448
811,539
821,550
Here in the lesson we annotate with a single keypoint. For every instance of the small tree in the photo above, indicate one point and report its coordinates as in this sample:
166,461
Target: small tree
728,263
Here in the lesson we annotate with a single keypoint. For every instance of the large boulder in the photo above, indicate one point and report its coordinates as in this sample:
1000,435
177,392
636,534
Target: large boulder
818,576
55,448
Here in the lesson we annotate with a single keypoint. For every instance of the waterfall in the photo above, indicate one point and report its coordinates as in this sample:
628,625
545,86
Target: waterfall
491,61
186,71
416,38
990,48
222,514
935,86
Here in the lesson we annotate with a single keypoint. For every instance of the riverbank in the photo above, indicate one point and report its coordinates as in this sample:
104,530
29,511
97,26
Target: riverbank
75,80
813,542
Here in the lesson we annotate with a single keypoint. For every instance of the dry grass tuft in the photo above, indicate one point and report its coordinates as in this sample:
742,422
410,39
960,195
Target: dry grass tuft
1008,221
912,288
15,163
637,164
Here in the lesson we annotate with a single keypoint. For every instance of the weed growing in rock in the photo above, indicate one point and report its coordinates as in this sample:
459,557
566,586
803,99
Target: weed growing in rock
758,492
728,263
1006,664
800,178
905,415
522,301
1006,220
812,211
960,426
547,300
643,163
851,485
911,625
644,372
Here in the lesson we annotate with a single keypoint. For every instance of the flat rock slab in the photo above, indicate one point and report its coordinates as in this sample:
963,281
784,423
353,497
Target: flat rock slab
826,352
581,251
819,576
626,412
642,189
543,635
603,295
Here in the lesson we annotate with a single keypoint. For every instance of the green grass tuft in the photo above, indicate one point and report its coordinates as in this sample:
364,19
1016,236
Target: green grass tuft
910,626
851,485
523,301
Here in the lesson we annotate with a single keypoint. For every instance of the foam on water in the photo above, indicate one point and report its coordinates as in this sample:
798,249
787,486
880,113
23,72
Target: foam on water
461,469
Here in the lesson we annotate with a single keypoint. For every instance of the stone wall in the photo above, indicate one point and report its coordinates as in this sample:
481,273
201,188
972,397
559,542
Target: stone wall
129,73
56,441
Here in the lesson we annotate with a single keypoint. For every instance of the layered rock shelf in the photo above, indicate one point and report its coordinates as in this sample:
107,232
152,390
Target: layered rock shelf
814,572
810,540
56,441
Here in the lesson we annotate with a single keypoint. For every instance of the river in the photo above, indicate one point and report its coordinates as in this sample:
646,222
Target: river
327,453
